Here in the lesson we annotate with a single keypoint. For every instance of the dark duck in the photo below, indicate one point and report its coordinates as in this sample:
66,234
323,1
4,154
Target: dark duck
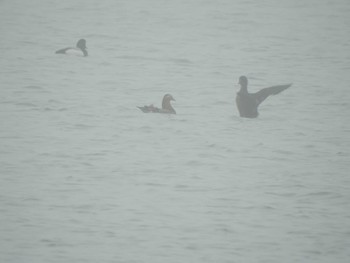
166,106
248,103
79,50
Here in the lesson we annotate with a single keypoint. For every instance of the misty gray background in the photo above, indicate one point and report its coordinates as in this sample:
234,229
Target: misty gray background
87,177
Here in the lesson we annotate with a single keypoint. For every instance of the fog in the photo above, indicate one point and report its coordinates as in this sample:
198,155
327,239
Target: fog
86,176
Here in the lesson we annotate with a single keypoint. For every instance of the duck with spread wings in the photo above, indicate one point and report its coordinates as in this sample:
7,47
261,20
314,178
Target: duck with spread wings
248,103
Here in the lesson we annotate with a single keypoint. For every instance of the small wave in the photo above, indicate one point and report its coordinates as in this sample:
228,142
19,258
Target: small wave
193,163
83,126
320,193
287,194
342,154
25,104
175,60
285,152
49,109
33,87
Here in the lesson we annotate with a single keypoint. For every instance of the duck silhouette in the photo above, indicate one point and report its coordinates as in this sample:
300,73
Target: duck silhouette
166,106
79,50
248,103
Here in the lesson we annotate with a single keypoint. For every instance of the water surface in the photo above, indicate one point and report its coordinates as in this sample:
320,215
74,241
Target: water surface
87,177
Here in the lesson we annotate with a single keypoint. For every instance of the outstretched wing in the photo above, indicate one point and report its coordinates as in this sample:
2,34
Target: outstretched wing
261,95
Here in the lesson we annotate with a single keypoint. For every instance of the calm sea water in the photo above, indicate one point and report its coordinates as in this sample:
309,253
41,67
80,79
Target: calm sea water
87,177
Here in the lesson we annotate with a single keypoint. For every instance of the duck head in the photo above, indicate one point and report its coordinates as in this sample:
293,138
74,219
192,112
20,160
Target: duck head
243,82
81,44
168,98
166,102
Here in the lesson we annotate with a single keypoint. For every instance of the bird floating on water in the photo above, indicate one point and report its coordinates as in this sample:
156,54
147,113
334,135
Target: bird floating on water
166,106
248,103
79,50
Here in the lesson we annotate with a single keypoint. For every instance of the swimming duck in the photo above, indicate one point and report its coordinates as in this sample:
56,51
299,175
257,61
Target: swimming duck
248,103
166,106
79,50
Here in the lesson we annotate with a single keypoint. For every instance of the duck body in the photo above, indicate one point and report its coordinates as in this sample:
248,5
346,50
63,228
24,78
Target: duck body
79,50
166,106
248,103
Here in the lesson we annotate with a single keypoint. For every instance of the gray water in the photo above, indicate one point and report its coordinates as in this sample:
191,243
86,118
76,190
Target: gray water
87,177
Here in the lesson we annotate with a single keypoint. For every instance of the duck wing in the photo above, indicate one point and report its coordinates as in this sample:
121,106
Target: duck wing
63,50
150,108
261,95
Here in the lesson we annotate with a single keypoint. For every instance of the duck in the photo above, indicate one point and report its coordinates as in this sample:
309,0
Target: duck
79,50
166,106
248,103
